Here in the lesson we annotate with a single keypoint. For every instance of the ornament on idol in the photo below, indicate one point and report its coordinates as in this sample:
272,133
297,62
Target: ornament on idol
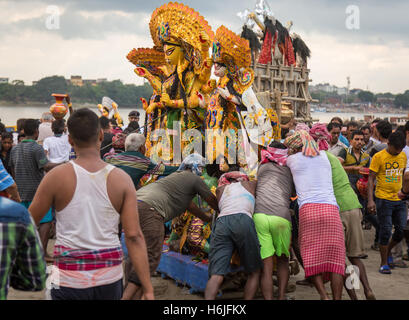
362,183
245,17
59,109
263,10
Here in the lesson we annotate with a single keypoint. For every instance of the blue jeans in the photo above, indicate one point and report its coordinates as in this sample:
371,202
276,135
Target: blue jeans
391,213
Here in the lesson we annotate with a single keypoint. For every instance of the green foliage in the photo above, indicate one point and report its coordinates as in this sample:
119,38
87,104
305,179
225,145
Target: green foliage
366,96
402,100
123,94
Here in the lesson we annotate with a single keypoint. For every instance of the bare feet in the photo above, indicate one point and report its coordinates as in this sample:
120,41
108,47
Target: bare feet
370,295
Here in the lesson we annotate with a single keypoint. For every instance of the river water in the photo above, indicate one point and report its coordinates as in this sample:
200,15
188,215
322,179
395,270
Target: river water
10,114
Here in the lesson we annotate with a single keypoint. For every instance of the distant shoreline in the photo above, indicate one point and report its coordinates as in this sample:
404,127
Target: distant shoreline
47,105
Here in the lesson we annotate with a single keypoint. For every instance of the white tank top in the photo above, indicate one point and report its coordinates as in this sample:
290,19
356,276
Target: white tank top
236,199
89,221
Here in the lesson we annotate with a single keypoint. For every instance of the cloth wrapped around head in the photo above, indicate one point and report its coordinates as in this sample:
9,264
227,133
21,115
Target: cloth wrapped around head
276,155
320,134
118,141
302,139
195,162
232,177
302,126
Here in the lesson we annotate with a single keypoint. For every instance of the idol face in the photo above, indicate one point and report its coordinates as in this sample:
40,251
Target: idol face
219,70
173,53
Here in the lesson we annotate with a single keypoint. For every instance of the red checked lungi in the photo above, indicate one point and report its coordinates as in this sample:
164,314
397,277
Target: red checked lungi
321,239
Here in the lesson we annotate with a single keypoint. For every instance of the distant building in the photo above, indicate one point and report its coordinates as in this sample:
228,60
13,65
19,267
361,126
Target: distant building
100,80
90,82
4,80
76,81
342,91
326,87
355,91
385,101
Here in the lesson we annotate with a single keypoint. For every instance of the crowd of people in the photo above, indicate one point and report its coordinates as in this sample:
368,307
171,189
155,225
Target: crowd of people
315,192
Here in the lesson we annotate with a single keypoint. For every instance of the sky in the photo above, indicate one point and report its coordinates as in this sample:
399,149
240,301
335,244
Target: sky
365,40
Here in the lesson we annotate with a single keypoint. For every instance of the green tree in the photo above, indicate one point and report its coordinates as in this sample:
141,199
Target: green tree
366,96
402,100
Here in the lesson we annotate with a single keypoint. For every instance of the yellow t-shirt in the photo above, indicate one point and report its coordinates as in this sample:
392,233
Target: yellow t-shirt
389,172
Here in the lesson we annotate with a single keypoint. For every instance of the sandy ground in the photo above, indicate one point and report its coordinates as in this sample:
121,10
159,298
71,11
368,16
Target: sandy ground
385,287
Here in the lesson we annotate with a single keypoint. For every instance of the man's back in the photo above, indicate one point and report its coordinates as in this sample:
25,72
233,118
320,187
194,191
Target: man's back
172,195
312,178
274,189
90,207
21,255
58,148
44,131
27,160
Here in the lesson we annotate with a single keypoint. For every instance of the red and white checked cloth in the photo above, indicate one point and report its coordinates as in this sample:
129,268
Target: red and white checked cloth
85,260
321,239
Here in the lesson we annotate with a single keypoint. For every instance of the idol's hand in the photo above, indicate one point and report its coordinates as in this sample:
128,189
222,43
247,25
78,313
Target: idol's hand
144,103
114,106
151,108
140,71
203,37
212,84
202,101
208,63
165,99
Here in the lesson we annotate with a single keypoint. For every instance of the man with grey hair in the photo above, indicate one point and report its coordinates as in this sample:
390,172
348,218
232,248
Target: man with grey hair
44,130
134,162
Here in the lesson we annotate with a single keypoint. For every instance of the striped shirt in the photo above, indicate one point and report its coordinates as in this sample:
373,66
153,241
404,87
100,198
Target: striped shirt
22,264
28,160
137,165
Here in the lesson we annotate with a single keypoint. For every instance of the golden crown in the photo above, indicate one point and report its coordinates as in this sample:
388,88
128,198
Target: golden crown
230,48
175,22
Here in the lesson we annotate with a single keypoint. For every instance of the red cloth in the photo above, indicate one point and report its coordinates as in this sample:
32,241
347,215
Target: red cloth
321,135
231,177
321,239
84,260
278,156
289,52
265,54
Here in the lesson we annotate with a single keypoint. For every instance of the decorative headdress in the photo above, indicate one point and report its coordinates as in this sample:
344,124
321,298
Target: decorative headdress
149,58
178,24
234,52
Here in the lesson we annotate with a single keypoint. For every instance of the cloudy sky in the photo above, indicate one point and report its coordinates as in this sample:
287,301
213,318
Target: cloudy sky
94,37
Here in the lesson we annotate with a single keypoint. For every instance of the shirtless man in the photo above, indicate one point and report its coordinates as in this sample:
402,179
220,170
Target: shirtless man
90,198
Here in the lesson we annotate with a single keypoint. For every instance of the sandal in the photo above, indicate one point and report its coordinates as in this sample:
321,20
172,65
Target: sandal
385,270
